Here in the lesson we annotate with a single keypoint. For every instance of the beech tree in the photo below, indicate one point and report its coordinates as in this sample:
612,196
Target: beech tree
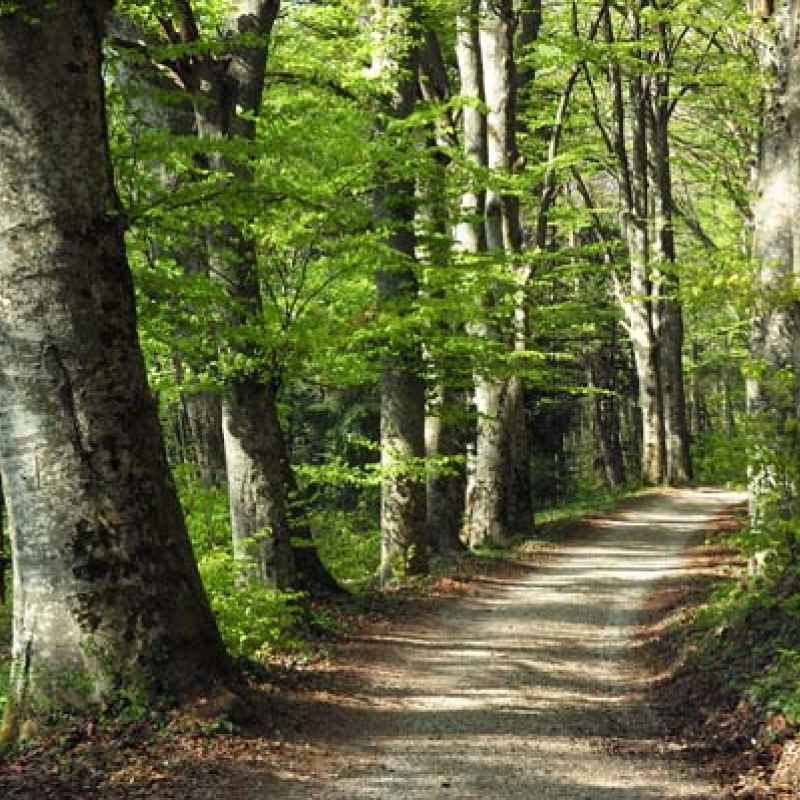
772,390
107,598
403,532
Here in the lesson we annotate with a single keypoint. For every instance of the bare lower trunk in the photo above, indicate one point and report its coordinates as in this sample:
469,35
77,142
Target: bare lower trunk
108,604
486,520
204,415
678,466
652,419
772,390
446,484
403,532
517,468
606,417
259,510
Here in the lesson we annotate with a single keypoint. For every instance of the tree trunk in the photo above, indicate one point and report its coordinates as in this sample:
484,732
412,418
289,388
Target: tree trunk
259,476
678,462
500,503
204,415
403,529
5,561
637,300
775,327
446,484
605,416
108,604
259,511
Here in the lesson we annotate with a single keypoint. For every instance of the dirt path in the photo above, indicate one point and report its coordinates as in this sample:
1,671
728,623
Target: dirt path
532,688
531,691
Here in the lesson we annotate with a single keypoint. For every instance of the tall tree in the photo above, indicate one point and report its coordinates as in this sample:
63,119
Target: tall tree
106,590
225,76
403,516
772,391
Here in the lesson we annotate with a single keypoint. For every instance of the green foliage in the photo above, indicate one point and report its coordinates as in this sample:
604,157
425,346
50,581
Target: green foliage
349,543
254,620
718,458
747,642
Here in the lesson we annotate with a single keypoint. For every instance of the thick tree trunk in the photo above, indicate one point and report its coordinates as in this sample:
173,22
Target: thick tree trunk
403,530
259,511
775,328
107,600
445,438
500,503
204,414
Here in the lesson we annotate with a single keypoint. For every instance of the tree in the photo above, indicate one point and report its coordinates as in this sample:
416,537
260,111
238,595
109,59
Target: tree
772,391
108,601
223,82
403,515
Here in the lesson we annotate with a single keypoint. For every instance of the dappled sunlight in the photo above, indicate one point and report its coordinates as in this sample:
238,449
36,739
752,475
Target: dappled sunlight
531,689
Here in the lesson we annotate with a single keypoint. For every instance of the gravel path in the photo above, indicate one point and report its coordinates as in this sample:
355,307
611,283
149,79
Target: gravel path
531,691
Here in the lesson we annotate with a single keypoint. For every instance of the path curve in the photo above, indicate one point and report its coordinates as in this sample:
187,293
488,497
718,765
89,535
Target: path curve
531,691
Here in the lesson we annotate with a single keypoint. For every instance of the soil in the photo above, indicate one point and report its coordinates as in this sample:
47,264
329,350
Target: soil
546,678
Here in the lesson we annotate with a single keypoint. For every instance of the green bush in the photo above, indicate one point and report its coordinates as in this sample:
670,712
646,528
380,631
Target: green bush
253,619
720,458
746,643
349,542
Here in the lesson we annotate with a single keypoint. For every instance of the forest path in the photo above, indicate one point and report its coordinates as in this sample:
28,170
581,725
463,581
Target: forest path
532,690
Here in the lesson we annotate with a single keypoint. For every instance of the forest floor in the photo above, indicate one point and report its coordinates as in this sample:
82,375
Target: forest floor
551,677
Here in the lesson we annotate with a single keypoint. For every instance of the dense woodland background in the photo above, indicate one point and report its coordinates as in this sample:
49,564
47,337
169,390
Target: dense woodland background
409,277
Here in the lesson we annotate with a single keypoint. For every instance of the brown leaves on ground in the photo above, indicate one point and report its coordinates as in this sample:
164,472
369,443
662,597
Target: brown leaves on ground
298,712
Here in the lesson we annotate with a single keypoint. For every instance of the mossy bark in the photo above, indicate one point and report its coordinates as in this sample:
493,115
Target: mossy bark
107,598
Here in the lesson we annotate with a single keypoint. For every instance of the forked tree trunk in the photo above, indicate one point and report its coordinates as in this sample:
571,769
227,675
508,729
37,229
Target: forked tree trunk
637,297
500,503
259,476
159,104
108,604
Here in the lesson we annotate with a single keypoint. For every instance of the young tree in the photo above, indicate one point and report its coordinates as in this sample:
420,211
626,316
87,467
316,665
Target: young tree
107,599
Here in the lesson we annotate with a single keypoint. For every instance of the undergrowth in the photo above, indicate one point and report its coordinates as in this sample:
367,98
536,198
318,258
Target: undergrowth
746,643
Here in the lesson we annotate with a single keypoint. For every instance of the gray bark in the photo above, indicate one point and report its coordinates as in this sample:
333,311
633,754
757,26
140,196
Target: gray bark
500,502
678,462
403,530
772,393
107,599
204,414
445,438
637,299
